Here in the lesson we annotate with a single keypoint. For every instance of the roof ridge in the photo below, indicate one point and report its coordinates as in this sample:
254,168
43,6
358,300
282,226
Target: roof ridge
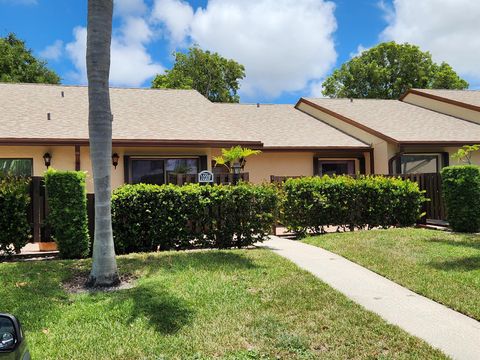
348,99
253,104
452,90
85,86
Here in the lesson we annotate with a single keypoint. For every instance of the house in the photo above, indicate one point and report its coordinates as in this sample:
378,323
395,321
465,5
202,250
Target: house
416,134
156,132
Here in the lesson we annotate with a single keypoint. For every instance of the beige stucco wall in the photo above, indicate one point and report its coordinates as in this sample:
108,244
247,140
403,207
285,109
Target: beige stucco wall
382,151
443,107
261,167
118,173
63,157
439,149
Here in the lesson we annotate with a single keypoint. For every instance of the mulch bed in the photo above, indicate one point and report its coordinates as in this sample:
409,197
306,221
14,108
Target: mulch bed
76,284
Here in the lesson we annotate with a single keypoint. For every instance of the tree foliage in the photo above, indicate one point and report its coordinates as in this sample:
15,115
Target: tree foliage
461,192
464,154
214,76
236,154
312,204
17,64
67,201
387,71
151,217
14,204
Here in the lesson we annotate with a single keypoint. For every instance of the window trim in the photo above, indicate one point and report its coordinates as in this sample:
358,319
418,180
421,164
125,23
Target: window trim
395,163
21,158
337,161
131,158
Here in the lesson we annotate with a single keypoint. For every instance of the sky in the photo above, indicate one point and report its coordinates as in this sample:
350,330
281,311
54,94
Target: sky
288,47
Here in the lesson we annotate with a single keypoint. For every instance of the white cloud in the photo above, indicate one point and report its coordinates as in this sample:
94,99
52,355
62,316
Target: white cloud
53,51
316,89
76,51
131,64
135,30
129,7
284,44
176,16
359,51
449,29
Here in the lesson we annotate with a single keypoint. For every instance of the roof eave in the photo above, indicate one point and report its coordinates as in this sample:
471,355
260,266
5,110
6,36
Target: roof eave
317,148
437,143
441,99
347,120
130,142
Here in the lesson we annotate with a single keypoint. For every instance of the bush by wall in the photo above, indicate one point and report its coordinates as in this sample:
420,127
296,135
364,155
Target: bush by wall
14,226
68,212
461,191
311,204
147,217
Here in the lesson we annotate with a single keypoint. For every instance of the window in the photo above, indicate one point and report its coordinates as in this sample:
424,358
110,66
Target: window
148,171
182,166
417,163
16,167
336,167
157,170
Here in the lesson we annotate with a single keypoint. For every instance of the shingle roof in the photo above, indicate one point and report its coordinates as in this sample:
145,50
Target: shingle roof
148,114
282,126
401,121
471,97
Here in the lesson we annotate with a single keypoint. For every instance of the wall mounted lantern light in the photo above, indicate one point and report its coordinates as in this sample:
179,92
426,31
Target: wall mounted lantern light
47,159
115,159
237,168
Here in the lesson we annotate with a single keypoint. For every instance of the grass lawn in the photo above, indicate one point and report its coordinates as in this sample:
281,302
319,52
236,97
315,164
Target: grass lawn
440,265
239,304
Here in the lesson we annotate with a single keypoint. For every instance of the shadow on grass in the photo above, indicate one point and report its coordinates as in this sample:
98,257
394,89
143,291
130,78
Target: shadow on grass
462,264
151,263
165,312
467,240
32,291
153,301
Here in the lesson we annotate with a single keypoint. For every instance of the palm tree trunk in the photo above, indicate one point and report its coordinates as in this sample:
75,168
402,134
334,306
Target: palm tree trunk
99,33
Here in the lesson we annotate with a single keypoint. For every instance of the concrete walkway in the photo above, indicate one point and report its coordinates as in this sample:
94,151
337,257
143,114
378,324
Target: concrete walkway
455,334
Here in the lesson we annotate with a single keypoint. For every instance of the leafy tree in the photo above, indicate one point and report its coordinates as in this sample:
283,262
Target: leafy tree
236,154
17,64
464,154
99,36
214,76
387,71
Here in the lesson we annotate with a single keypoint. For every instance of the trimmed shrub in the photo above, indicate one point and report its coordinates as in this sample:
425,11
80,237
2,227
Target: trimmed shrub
14,203
151,217
311,204
67,216
461,191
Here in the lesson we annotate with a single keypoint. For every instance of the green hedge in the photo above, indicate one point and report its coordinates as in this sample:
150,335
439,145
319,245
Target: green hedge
68,212
14,203
461,191
311,204
150,217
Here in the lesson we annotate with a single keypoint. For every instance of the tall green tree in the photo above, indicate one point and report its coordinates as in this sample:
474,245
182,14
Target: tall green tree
214,76
387,71
17,64
99,36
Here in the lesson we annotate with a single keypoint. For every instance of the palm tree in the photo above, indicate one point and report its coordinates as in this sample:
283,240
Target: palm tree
234,155
99,35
